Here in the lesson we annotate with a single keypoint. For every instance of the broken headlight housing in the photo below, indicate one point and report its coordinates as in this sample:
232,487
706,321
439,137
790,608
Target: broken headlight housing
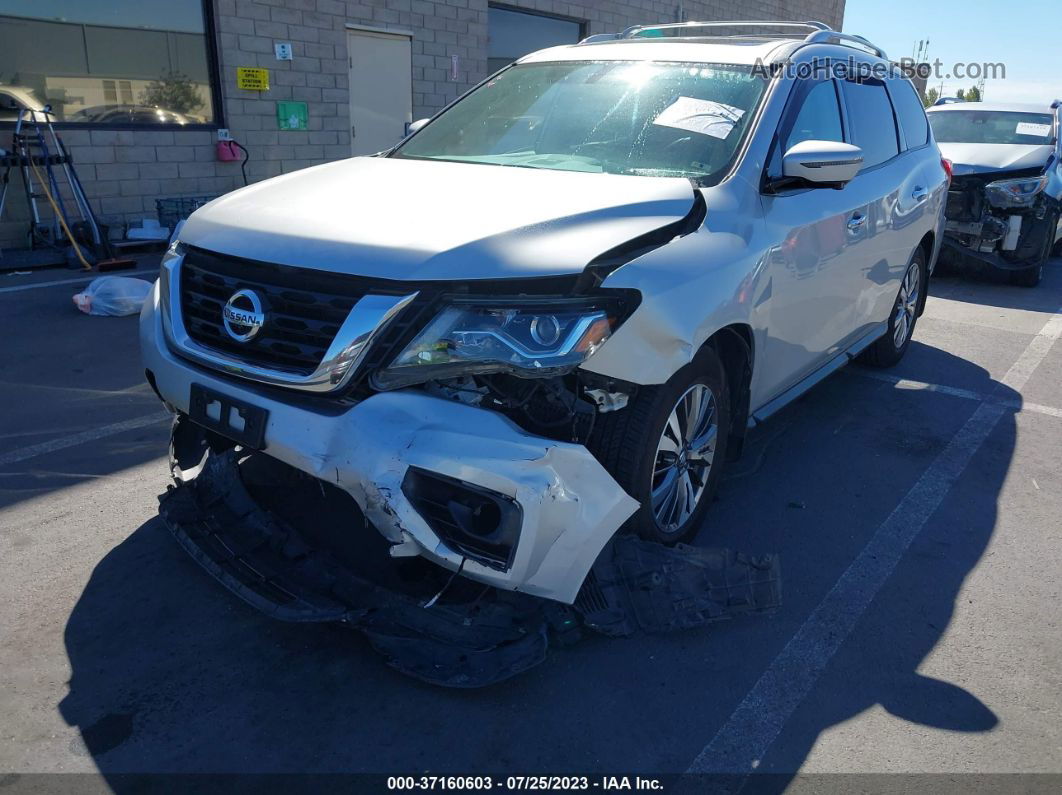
1015,192
525,338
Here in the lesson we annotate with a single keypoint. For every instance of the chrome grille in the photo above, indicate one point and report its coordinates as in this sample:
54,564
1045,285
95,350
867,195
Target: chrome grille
305,308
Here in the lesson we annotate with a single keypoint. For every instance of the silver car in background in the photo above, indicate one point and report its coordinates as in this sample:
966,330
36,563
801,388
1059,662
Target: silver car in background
1005,202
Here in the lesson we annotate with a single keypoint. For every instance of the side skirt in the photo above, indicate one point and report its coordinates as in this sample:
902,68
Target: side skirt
818,376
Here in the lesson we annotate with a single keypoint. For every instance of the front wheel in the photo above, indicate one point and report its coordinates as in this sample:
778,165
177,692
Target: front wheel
667,448
888,350
1030,277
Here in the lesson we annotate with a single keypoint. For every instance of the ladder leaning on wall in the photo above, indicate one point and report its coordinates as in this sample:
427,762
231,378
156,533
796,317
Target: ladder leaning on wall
48,174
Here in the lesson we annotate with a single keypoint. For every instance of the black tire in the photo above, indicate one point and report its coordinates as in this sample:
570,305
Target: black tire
887,351
626,442
1030,277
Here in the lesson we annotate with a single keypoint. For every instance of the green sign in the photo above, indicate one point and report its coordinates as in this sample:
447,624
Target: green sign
292,115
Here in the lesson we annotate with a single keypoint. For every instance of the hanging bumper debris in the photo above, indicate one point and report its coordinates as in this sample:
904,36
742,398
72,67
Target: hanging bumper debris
302,558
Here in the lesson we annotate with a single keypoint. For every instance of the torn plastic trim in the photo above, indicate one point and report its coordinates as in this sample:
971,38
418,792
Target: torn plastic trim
646,586
265,562
987,257
634,586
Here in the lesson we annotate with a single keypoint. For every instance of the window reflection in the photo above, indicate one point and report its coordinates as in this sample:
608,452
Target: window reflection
111,62
513,34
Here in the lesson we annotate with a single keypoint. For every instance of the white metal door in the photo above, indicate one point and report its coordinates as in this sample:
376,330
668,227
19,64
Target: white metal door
381,92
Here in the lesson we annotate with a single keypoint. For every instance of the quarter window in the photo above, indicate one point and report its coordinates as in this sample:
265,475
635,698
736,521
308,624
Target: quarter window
910,113
118,62
872,120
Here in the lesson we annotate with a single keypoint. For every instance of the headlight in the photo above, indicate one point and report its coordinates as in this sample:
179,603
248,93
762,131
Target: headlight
1014,192
483,336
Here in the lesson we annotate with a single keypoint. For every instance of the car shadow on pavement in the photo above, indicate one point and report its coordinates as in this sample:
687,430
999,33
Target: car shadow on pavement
170,673
974,285
878,667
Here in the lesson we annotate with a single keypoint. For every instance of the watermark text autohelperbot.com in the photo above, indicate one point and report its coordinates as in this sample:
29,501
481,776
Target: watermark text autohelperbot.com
846,68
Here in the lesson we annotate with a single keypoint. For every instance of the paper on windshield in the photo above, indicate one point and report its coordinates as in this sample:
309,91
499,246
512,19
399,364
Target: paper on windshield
1029,128
700,116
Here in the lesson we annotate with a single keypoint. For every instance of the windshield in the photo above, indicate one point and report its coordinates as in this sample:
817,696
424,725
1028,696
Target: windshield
991,127
616,117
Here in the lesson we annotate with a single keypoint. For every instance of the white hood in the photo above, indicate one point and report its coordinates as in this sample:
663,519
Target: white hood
977,158
428,220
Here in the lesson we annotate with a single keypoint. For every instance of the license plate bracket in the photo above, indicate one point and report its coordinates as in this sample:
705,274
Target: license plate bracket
233,418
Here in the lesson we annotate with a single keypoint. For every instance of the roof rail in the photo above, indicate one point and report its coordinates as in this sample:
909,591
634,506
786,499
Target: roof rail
835,36
821,33
638,30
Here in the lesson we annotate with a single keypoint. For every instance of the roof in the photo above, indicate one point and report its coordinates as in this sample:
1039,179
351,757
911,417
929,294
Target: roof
741,50
1014,107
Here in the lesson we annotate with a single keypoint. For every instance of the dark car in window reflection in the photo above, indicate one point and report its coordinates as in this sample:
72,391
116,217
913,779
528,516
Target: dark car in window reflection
132,114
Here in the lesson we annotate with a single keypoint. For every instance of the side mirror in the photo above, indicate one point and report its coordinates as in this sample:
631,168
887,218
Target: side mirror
413,126
826,163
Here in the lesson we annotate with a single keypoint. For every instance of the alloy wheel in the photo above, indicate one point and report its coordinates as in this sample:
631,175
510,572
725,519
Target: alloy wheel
907,305
684,456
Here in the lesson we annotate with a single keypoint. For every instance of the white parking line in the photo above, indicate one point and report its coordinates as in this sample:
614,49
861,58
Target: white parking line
966,394
80,280
1034,353
743,741
73,440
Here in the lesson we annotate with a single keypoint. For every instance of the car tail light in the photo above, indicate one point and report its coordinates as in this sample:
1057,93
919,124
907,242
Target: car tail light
947,168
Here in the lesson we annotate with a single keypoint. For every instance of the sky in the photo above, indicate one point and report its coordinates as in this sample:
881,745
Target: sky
1021,34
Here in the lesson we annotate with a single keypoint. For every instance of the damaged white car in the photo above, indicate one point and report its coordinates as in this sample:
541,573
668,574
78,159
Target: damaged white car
547,316
1005,203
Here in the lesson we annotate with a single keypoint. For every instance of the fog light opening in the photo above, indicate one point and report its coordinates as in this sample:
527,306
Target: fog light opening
476,522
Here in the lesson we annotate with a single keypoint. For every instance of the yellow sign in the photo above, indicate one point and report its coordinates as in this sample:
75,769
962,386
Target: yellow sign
252,79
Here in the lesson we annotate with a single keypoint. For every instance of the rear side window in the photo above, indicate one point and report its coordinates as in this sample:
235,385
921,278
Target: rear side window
819,118
873,125
910,113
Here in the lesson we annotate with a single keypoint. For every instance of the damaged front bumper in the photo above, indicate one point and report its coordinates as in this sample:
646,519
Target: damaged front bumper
468,636
1005,235
462,486
459,543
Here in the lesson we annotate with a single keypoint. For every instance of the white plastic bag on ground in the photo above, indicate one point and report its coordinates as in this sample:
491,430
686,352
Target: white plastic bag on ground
113,295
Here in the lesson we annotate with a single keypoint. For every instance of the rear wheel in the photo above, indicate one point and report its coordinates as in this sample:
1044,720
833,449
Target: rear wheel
667,448
888,350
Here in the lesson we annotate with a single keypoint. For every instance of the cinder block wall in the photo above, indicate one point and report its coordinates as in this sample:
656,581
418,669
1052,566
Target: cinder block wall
125,171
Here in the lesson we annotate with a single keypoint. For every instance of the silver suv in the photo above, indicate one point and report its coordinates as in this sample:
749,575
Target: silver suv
552,311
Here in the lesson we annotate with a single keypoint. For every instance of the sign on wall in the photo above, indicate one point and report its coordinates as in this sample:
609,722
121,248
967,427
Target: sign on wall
252,79
292,115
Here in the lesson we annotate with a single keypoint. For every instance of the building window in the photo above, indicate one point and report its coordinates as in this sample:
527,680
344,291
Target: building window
512,34
107,62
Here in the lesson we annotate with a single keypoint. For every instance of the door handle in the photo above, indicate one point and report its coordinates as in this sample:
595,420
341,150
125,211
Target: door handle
855,223
919,194
353,132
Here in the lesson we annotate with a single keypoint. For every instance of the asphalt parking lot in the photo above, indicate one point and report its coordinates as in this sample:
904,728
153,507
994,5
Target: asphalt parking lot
917,516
